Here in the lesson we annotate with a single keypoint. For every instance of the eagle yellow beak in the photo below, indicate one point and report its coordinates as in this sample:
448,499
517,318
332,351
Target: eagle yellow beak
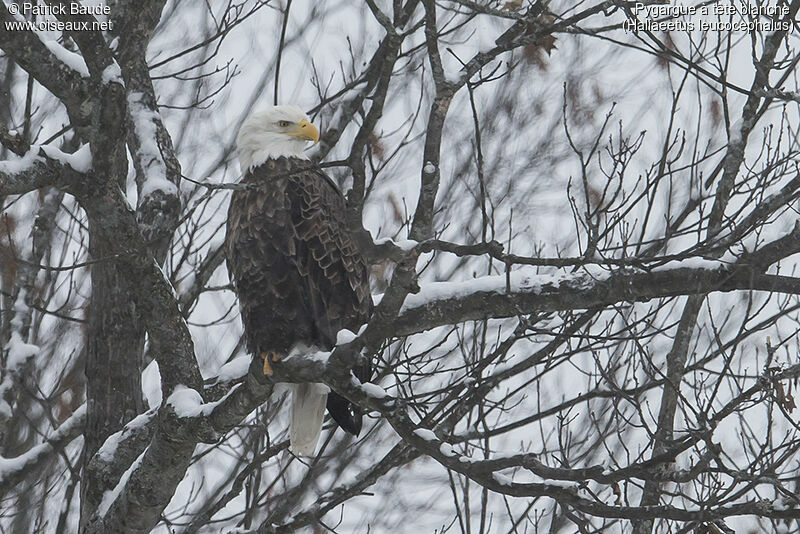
306,130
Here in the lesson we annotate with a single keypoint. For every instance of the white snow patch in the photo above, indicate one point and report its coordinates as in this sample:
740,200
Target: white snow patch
429,168
149,155
447,449
524,280
308,352
19,352
110,496
151,384
692,263
345,336
374,390
70,59
186,402
405,245
108,449
502,479
425,434
113,73
234,369
80,160
781,505
19,165
319,356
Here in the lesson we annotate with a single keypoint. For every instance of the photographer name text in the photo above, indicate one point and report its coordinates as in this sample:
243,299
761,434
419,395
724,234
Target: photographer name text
54,10
48,17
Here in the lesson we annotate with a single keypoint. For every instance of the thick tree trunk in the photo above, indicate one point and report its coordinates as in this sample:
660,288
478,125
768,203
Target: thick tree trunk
113,364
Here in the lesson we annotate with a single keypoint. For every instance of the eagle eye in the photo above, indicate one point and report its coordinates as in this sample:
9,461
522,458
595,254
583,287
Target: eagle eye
283,124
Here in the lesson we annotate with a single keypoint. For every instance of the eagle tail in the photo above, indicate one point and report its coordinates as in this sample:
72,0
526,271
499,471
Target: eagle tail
308,410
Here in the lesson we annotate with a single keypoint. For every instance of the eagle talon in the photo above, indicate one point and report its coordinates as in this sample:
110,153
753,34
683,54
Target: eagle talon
269,357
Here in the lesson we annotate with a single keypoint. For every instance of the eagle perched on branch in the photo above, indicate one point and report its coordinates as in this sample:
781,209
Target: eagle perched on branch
297,272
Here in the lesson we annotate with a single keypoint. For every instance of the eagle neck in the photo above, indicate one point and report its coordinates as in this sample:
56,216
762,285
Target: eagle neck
254,147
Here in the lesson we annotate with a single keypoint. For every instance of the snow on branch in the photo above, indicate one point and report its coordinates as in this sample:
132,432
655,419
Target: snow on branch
148,156
12,470
70,59
110,496
182,421
524,292
42,166
234,369
119,450
187,403
158,171
56,68
80,160
18,352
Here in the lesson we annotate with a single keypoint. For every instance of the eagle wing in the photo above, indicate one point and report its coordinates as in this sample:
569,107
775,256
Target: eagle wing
336,284
260,255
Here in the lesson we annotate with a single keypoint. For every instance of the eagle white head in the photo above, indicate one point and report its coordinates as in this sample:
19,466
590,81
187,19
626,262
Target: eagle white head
272,133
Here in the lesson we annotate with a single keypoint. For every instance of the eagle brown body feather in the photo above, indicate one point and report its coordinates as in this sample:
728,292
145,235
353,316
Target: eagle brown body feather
298,274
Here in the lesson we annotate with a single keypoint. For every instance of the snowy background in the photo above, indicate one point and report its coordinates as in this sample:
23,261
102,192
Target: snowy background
596,120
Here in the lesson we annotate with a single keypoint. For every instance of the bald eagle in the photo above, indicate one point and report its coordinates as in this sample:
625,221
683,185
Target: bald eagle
297,272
